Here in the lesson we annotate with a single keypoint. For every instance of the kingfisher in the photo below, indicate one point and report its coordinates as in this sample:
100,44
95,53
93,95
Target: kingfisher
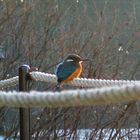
69,68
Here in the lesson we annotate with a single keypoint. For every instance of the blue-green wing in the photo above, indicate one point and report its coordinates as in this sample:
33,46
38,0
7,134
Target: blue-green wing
64,70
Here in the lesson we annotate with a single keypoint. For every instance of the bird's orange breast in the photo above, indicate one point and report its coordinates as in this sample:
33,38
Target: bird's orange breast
75,74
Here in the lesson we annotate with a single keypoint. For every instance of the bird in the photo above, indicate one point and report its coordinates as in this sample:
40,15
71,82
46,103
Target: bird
69,68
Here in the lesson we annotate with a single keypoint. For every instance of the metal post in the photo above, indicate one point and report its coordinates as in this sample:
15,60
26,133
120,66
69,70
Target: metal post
24,112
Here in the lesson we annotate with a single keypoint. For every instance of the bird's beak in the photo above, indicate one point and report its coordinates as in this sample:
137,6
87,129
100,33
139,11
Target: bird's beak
85,59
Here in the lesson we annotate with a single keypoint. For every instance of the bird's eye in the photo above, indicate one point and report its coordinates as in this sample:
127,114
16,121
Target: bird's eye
69,60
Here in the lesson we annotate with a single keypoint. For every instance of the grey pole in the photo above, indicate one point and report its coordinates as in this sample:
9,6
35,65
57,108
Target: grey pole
24,80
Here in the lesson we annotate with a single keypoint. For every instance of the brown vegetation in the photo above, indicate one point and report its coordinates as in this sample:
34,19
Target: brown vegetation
41,33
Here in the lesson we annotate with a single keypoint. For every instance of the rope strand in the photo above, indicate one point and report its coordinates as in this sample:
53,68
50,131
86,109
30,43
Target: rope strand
9,82
81,82
67,98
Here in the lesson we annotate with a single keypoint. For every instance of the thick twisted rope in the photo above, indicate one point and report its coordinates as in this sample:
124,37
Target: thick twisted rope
81,82
86,97
9,82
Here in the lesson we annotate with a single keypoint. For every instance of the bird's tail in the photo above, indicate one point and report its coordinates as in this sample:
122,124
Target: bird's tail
58,87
